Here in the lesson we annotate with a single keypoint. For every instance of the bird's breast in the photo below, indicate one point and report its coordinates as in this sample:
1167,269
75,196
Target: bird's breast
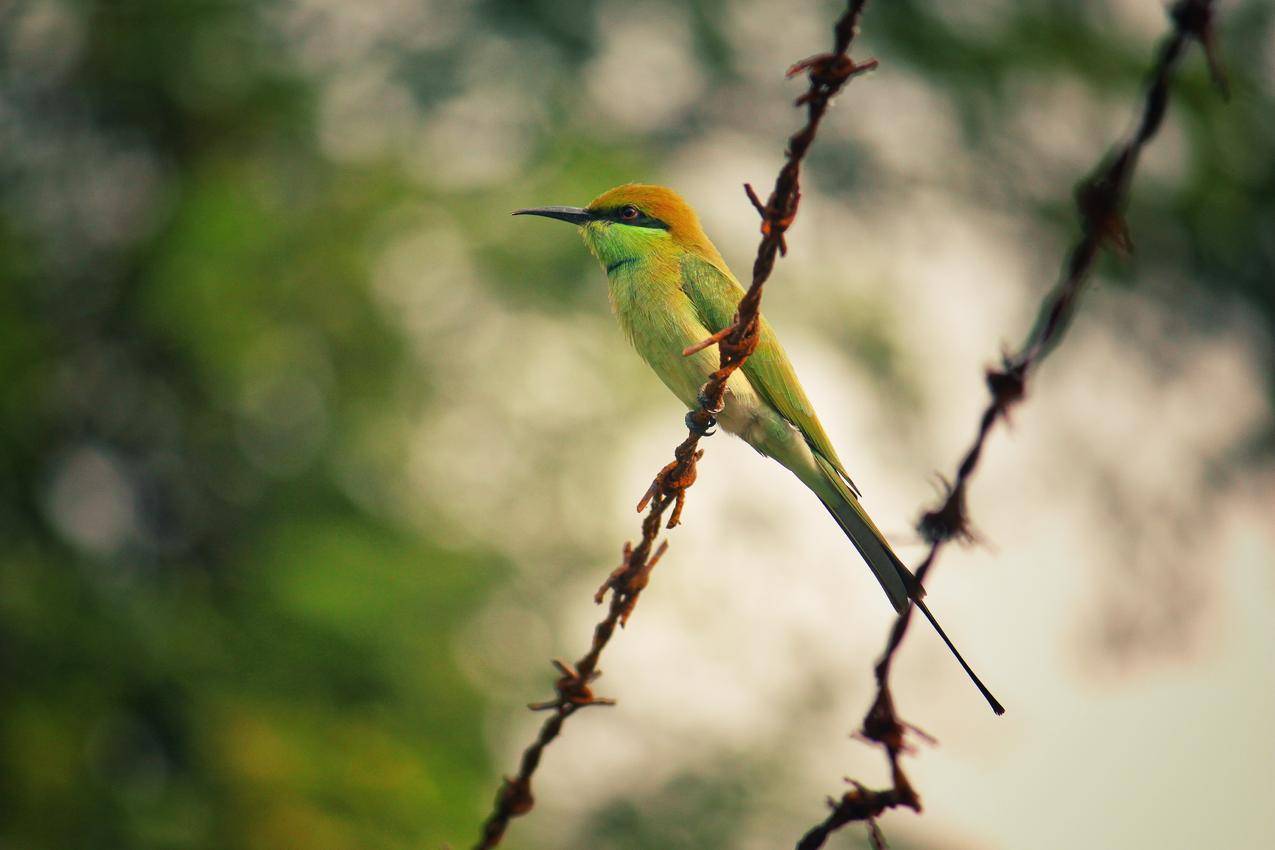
660,322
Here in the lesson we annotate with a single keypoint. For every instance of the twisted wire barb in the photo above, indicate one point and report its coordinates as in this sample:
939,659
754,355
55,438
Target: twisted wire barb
1100,199
827,73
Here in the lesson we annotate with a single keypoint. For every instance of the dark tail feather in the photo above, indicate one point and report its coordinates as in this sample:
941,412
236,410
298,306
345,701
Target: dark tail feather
896,579
978,683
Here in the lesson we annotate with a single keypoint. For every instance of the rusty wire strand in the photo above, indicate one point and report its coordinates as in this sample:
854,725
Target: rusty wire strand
1100,199
828,73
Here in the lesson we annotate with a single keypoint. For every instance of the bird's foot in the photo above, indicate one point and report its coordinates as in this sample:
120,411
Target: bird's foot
700,423
707,404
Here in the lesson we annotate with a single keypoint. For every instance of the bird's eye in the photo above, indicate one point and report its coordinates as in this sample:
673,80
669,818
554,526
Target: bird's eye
628,212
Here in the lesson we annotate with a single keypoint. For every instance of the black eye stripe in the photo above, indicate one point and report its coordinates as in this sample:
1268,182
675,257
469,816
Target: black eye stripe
616,214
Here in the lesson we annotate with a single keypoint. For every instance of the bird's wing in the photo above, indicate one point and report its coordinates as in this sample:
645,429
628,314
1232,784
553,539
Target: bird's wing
715,294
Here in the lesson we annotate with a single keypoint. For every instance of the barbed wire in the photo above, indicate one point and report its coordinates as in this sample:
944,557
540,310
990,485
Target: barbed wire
827,73
1101,199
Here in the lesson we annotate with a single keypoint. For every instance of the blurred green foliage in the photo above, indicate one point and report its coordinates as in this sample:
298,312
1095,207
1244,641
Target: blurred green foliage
213,631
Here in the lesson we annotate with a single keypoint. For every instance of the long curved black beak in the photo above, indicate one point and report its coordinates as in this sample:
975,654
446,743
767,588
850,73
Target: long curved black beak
575,215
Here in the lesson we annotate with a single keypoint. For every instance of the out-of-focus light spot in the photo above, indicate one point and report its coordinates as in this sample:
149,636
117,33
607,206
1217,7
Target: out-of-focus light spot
116,195
986,17
913,128
364,114
284,421
94,195
328,34
703,170
424,278
512,384
646,75
92,501
283,409
476,139
499,646
1138,18
44,42
766,36
1063,122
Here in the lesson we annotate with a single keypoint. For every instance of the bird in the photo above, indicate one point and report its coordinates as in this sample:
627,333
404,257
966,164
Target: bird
670,289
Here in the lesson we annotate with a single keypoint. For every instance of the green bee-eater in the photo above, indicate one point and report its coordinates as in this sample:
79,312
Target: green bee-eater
670,289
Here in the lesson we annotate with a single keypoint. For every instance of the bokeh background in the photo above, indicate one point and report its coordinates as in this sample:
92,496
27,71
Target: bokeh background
311,456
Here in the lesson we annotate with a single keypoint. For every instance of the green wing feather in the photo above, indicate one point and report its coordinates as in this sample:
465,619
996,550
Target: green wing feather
715,294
